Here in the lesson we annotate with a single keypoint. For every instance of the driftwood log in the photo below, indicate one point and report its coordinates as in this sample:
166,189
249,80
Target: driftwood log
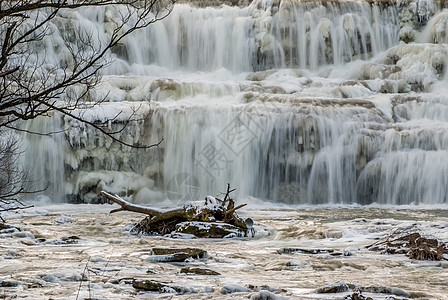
212,211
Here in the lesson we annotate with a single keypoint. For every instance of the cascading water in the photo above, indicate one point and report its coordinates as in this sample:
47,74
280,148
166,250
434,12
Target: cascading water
300,102
261,36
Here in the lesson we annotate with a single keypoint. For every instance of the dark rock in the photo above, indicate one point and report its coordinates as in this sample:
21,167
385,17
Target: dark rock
357,296
161,287
209,229
384,290
9,283
8,228
69,240
338,287
176,257
198,271
305,250
414,246
125,280
192,252
148,285
264,288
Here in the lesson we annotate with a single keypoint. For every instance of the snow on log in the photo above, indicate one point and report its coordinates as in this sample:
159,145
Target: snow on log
212,210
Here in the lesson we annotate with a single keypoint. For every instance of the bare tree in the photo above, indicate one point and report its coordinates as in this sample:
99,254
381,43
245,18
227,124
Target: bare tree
33,85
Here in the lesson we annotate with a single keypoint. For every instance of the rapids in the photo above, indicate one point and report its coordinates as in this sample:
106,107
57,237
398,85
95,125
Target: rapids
300,102
81,251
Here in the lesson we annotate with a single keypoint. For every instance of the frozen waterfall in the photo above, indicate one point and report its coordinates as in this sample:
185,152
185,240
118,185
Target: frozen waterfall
300,102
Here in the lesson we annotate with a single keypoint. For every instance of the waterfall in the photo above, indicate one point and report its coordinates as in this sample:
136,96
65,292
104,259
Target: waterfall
299,102
43,156
293,34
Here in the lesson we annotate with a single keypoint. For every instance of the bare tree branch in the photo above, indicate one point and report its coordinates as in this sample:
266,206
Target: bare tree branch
31,86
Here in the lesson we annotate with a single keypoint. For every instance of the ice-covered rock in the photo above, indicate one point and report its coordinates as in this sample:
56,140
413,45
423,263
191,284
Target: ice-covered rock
210,229
234,288
266,295
64,219
419,65
161,287
10,254
436,30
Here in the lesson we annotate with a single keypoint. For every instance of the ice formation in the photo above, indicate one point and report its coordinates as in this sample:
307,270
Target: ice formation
290,101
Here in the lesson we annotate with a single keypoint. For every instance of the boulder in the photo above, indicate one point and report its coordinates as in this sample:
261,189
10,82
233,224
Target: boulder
209,229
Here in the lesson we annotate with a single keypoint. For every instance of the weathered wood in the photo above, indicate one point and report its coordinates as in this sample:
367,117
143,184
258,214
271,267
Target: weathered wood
231,211
125,205
165,221
159,213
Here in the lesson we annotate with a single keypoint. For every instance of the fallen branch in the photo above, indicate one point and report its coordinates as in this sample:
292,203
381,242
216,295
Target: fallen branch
213,210
125,205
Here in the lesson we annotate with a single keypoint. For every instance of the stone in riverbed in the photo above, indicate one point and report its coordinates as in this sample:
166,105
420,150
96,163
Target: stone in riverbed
175,257
305,250
198,271
338,287
161,287
266,295
209,229
9,283
148,285
385,290
192,252
234,288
